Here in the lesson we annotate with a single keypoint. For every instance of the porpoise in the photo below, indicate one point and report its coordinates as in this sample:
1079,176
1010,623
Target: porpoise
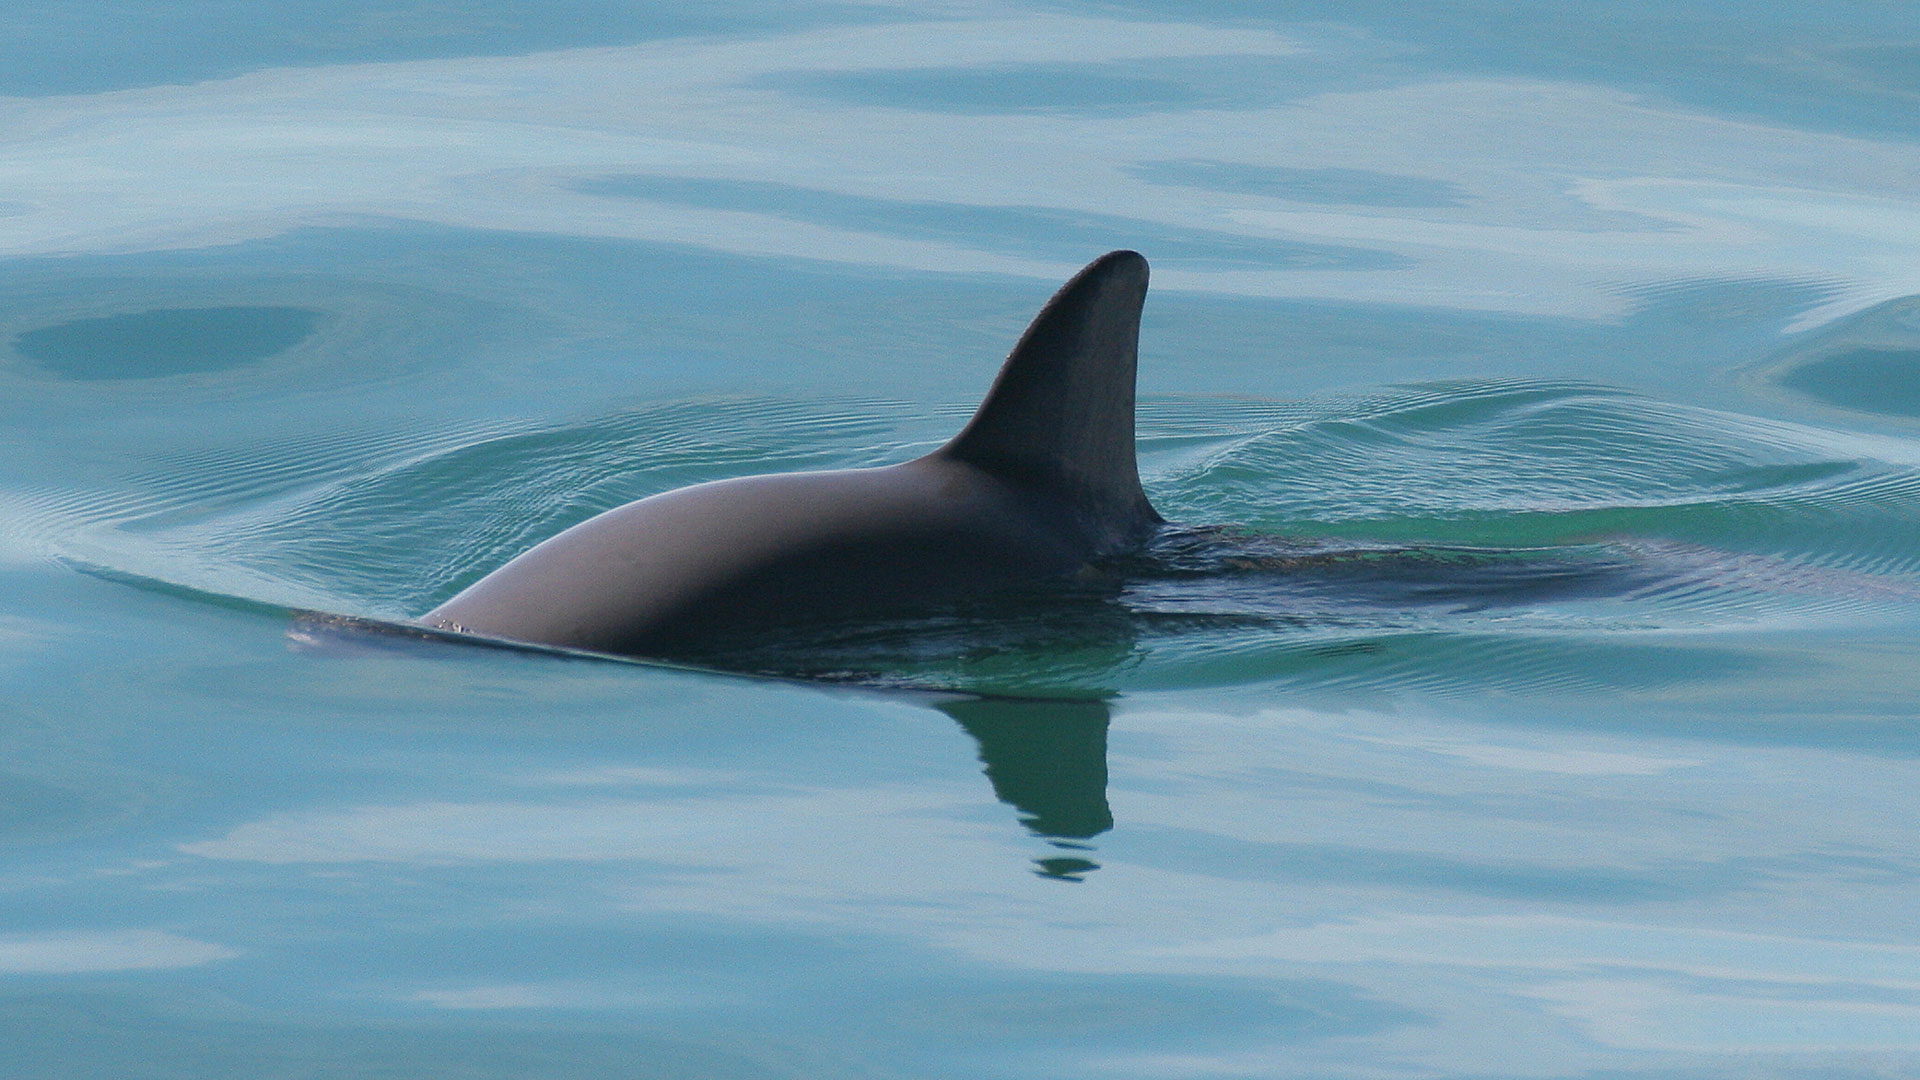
1040,484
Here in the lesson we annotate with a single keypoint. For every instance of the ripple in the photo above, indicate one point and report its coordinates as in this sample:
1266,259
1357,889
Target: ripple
1518,535
388,522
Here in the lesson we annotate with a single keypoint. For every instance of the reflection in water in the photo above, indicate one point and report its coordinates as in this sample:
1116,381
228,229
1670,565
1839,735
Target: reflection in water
1048,759
1491,735
1522,721
1065,868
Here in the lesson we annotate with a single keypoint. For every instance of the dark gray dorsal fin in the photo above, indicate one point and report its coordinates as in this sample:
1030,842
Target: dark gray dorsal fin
1060,414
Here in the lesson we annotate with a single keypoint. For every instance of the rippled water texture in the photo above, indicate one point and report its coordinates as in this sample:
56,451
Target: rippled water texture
1525,687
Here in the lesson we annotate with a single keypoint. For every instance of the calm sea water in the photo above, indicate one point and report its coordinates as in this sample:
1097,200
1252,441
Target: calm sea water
1531,690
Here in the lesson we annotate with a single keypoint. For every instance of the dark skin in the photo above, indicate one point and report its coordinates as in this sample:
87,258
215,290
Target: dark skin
1041,482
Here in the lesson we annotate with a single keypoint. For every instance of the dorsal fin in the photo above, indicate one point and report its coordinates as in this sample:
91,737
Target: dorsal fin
1060,414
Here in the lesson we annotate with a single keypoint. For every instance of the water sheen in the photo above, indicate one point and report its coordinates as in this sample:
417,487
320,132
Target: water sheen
1524,687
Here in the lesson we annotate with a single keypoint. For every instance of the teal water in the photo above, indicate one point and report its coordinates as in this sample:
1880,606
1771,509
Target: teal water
1528,690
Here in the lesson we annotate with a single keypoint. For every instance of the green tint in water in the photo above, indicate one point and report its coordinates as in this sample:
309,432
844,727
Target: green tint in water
1547,709
1049,758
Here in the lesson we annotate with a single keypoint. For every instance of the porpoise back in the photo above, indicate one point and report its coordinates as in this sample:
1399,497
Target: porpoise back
1039,483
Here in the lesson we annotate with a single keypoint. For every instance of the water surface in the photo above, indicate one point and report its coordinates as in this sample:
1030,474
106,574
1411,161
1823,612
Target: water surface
1527,688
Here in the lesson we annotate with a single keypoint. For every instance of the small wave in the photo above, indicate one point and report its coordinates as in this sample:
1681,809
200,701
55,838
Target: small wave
1510,533
388,522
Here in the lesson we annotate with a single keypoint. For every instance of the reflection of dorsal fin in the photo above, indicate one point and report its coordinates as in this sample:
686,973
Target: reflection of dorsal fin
1048,758
1060,415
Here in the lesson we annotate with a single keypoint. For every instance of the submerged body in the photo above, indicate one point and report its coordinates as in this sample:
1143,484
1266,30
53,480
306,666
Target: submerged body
1039,483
